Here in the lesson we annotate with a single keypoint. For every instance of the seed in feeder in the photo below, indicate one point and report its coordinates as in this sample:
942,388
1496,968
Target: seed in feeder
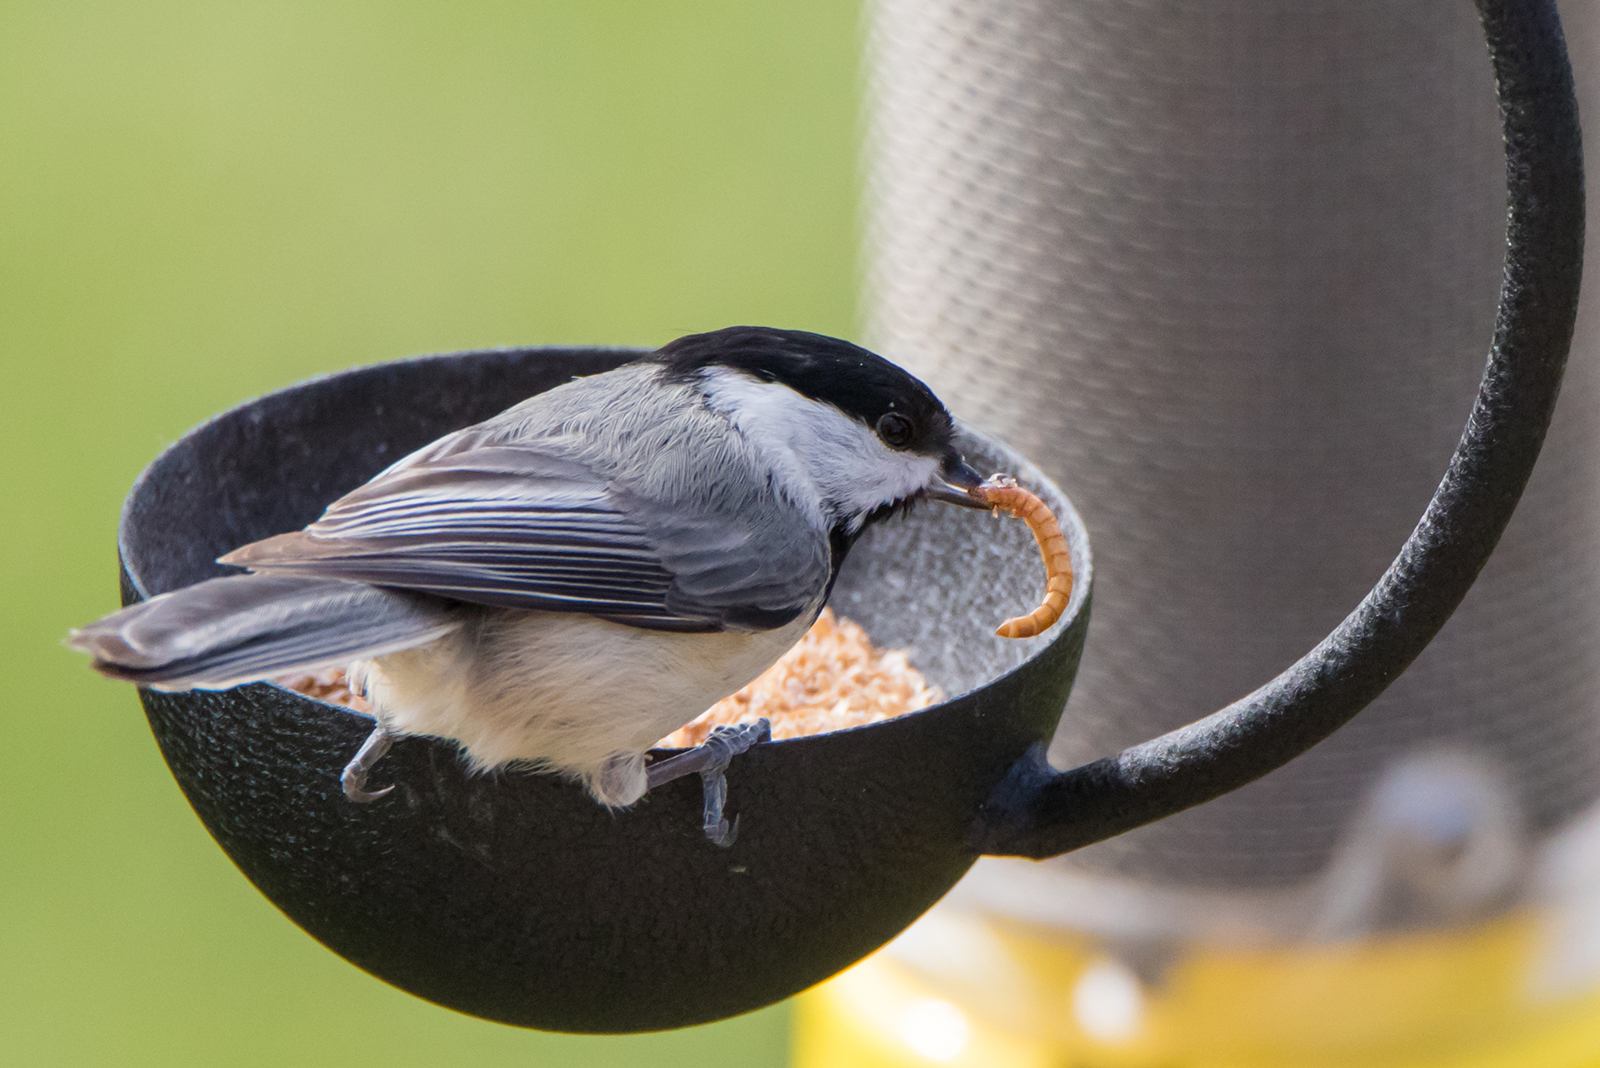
833,678
328,685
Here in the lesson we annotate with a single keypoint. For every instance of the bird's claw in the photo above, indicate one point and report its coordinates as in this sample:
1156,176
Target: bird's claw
723,835
710,761
726,743
354,776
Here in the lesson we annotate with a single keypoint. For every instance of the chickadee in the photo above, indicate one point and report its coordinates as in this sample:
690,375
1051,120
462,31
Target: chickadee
562,585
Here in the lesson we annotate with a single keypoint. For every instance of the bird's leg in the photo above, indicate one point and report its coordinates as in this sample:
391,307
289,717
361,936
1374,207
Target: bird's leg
709,760
354,779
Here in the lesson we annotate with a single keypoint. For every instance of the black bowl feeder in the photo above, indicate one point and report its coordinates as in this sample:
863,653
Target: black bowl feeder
516,898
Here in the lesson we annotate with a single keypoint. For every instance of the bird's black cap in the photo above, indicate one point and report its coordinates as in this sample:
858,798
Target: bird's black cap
858,382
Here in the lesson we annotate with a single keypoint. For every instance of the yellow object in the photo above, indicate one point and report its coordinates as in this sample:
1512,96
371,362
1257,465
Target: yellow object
1029,999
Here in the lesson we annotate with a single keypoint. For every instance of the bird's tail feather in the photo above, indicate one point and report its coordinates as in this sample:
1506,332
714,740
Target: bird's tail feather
244,628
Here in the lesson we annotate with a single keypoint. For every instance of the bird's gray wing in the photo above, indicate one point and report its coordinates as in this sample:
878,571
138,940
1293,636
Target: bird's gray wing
518,525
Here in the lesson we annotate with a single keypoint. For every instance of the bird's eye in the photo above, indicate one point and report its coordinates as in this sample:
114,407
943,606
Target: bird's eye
895,430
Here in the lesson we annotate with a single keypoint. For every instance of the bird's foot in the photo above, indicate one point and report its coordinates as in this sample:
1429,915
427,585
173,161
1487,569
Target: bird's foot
710,760
354,778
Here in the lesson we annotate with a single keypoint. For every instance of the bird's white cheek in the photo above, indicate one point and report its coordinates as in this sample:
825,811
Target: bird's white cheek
813,449
883,475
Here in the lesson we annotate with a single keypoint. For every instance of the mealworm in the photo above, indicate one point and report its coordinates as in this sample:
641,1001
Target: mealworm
1001,492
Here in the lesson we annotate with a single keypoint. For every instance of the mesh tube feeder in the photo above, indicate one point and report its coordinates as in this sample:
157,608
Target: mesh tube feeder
1039,812
517,899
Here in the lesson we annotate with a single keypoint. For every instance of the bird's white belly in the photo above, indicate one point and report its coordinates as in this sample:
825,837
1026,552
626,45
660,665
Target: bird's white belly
565,692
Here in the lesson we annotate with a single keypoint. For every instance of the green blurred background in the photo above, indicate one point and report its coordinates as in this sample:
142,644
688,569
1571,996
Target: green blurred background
202,202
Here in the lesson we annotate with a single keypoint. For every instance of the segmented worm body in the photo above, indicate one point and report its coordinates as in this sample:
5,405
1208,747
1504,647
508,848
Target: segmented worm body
1002,492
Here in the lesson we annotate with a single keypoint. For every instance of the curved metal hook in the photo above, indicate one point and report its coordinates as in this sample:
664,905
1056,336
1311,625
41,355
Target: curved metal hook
1040,812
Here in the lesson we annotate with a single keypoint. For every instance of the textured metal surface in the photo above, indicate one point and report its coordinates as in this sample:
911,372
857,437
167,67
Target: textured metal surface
515,897
1227,271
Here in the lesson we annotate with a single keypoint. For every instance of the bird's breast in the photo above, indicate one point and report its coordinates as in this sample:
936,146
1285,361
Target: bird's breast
565,691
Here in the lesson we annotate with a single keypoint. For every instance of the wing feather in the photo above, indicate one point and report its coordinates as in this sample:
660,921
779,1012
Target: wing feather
514,513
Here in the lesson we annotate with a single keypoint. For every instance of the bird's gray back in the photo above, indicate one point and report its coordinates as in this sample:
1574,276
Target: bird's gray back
623,495
701,490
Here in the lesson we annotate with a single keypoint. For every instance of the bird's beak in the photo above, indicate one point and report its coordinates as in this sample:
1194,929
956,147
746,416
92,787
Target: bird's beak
957,486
